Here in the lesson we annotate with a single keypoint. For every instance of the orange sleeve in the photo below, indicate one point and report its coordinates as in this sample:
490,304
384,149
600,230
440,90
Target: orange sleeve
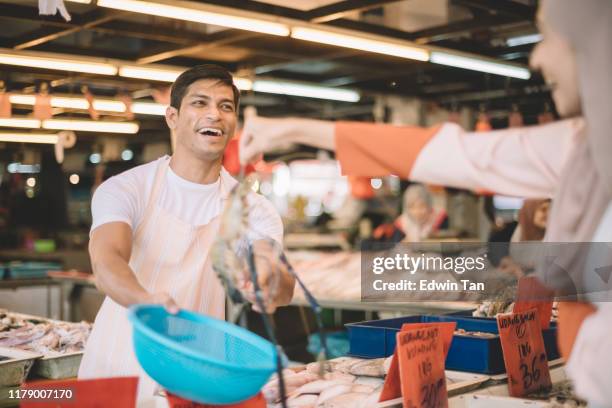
377,150
571,316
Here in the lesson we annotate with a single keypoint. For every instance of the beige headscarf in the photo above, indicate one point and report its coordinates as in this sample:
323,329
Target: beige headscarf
586,183
415,232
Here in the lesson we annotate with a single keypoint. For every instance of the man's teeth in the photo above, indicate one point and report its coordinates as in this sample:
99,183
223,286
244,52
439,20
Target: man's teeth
210,131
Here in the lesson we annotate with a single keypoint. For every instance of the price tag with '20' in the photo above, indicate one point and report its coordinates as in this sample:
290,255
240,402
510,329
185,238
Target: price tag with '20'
421,366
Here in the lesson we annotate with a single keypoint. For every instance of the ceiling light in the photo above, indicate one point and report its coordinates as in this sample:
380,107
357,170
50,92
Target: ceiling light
108,105
476,64
105,105
31,182
95,158
243,84
149,108
69,103
23,168
127,155
308,91
91,126
354,41
74,178
168,74
25,123
524,39
63,63
195,12
22,99
29,138
153,74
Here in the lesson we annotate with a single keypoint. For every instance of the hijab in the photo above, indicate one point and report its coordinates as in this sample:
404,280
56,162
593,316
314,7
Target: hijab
530,231
585,190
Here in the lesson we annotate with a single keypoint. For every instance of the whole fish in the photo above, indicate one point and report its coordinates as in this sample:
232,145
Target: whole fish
333,392
370,368
349,400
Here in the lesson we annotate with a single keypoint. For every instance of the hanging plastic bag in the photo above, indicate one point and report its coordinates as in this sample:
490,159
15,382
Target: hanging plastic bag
51,7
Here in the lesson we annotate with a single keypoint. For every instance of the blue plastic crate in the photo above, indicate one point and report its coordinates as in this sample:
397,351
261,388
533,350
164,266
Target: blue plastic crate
30,270
376,338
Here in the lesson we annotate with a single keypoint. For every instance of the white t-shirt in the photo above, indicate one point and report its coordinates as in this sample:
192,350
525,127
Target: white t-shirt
124,198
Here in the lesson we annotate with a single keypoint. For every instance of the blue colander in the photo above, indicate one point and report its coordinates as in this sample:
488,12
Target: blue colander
200,358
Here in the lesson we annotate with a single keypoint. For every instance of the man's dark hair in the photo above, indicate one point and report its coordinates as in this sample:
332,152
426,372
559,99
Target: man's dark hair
204,71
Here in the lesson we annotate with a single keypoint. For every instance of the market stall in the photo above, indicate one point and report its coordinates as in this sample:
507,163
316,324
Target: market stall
305,203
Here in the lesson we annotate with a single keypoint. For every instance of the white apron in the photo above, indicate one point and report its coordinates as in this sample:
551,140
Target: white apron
168,255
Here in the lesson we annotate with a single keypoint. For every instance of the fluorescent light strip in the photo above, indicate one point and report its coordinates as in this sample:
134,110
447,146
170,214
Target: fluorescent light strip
243,84
149,108
22,99
24,123
524,39
71,124
153,74
196,15
106,105
80,1
161,74
56,63
308,91
360,43
476,64
29,138
91,126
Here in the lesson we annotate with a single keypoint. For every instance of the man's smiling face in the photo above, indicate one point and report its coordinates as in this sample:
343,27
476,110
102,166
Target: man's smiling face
206,120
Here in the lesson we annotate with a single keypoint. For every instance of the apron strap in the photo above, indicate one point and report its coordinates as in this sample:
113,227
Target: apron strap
158,181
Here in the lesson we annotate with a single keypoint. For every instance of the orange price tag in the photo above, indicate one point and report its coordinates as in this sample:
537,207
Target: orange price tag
532,294
421,364
524,354
392,387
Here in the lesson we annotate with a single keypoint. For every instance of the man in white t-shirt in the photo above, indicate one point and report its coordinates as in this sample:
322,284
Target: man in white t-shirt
154,225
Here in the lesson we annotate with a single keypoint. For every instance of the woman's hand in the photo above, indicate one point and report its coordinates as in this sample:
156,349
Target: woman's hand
262,135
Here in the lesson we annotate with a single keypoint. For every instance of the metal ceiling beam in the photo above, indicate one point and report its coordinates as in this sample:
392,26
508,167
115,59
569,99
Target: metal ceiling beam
495,94
370,76
39,37
507,7
264,69
458,28
119,28
342,8
197,47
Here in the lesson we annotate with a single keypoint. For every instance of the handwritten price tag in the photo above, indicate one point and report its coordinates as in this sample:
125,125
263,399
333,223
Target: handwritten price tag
532,294
421,365
524,354
392,387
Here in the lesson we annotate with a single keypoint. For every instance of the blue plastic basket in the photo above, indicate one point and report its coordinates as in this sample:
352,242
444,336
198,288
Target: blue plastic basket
200,358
